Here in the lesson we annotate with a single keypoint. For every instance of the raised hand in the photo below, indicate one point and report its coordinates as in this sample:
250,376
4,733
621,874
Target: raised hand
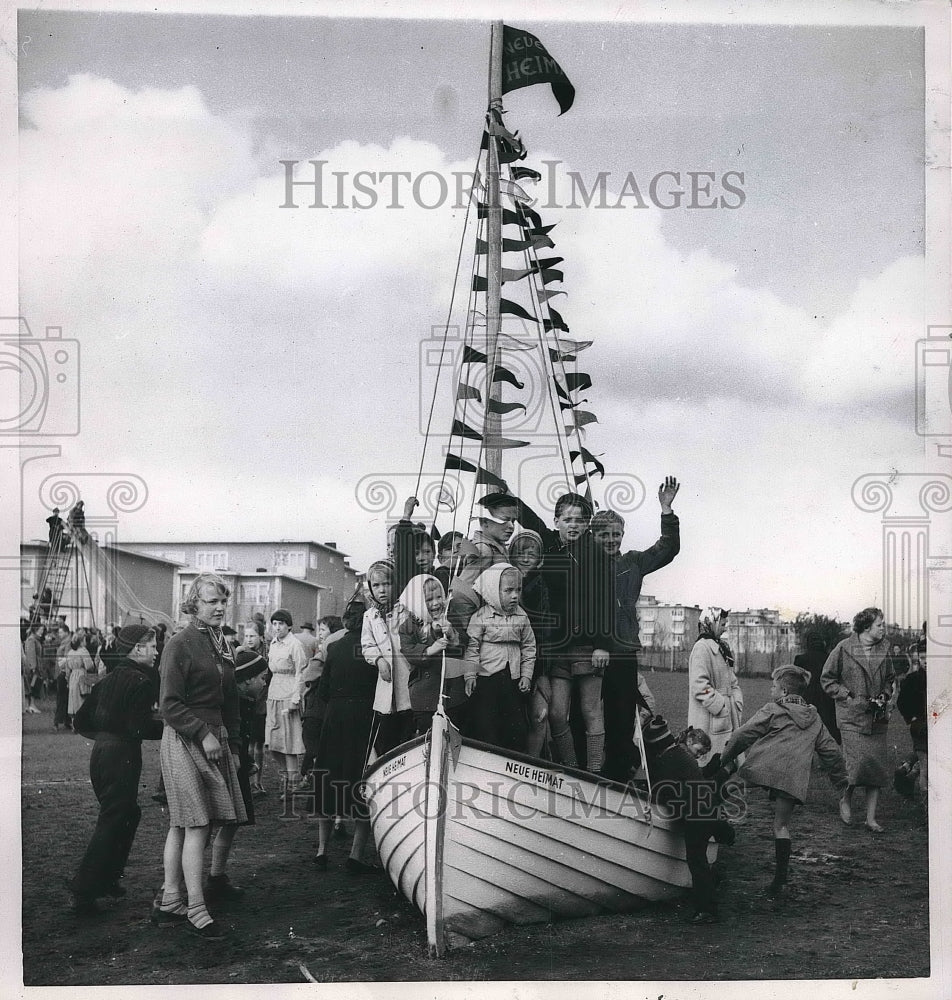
667,491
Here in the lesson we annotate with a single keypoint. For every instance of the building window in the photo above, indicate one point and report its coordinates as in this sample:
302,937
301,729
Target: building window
285,558
312,561
677,612
209,560
255,593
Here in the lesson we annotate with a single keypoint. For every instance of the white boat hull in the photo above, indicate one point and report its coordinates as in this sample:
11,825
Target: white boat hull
498,838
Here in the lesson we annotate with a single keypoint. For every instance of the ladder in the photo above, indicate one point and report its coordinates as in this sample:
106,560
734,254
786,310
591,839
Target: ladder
56,575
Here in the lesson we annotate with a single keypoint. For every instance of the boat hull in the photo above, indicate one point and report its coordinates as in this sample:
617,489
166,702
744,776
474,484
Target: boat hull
478,838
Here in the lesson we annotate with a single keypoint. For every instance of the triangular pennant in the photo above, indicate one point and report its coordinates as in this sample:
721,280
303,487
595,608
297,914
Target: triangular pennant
589,459
460,464
549,275
575,346
509,217
504,375
498,406
482,247
541,242
583,417
546,294
476,318
555,324
479,283
515,274
501,442
464,391
577,381
541,230
464,430
531,214
472,357
570,406
484,478
525,174
544,263
514,309
515,344
512,190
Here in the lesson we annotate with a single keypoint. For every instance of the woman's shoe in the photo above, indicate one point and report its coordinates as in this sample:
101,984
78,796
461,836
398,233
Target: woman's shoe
211,932
320,862
166,918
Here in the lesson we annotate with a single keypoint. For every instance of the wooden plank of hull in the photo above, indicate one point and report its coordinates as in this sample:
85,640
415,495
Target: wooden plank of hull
397,821
520,845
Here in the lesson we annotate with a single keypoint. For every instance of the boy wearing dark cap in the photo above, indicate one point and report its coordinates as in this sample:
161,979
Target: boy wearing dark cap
680,789
497,521
780,741
118,712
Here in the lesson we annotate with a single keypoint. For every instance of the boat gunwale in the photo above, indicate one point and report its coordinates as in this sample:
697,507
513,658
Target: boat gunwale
523,758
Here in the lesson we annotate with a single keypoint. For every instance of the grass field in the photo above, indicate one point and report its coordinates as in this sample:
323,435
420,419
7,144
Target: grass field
858,905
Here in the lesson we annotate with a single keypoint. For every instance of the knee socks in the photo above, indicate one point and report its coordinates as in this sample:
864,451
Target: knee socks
595,751
782,852
565,747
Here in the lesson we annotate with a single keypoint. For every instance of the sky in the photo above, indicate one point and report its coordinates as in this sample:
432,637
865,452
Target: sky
259,366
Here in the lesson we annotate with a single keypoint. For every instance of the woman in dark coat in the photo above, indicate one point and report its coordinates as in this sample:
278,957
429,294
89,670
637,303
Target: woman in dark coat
859,676
813,661
347,688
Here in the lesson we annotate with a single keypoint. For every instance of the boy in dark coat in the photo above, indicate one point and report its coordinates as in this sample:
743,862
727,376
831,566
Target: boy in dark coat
118,712
680,789
780,741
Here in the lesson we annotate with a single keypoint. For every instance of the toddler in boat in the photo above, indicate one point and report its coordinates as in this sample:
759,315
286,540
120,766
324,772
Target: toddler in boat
525,553
500,658
425,636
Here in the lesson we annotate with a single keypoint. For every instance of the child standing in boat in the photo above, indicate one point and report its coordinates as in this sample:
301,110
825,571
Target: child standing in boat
525,553
381,649
425,636
500,659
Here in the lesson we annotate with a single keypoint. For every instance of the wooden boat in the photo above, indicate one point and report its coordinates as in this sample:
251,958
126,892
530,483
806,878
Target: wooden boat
478,838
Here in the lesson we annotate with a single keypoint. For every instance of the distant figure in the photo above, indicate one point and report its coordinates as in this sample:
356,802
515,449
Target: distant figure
45,607
77,523
812,661
859,677
307,639
715,700
57,538
912,704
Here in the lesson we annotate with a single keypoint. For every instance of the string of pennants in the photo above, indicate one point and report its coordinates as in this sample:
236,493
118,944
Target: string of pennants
540,272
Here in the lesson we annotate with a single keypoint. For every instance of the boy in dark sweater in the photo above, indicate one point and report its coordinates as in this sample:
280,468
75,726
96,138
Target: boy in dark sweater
118,712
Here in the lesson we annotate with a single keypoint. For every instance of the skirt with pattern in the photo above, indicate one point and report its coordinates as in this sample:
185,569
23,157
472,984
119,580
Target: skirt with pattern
867,757
199,792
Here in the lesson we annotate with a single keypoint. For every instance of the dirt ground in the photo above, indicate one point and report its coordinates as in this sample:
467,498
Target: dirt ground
857,907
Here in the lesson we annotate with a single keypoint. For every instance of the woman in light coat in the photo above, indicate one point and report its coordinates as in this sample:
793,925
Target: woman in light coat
715,700
859,677
81,673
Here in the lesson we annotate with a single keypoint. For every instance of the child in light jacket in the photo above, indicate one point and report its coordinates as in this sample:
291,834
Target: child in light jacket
500,657
380,646
781,740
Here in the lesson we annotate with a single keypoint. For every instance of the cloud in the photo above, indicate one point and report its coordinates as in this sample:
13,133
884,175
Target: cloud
255,362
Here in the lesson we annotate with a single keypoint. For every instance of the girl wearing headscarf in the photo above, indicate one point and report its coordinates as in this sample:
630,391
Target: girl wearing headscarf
715,700
380,644
425,636
500,658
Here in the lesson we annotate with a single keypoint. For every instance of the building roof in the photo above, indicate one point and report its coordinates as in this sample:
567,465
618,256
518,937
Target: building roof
140,555
171,543
243,576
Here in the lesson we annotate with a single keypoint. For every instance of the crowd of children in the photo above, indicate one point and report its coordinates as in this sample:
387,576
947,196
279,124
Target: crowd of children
517,637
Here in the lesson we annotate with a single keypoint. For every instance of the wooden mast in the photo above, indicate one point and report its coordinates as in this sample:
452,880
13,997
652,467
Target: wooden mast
492,423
